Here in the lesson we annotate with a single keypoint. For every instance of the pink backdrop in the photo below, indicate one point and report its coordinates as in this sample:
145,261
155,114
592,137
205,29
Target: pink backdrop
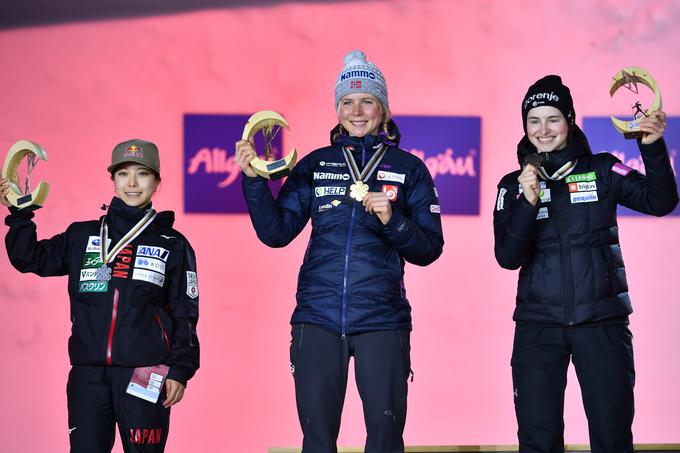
80,88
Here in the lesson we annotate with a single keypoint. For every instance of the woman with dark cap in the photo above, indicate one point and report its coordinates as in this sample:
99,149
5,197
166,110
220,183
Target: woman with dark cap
134,307
555,219
373,206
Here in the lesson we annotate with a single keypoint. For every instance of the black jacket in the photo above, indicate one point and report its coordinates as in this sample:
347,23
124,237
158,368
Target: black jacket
351,279
567,246
146,314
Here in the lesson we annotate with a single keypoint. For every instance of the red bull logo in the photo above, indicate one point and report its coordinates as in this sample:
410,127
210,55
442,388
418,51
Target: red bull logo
134,151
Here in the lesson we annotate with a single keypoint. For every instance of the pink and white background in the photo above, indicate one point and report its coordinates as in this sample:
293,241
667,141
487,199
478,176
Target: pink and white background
80,88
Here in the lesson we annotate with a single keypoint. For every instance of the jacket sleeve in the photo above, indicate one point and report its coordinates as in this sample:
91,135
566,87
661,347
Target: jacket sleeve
416,233
45,258
513,224
657,192
183,306
277,222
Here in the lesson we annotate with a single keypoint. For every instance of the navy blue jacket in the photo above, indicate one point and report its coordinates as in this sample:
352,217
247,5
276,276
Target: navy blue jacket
567,246
145,315
351,279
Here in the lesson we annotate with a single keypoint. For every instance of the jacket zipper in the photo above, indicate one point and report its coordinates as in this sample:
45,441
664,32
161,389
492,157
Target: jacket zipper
164,336
565,252
344,279
112,327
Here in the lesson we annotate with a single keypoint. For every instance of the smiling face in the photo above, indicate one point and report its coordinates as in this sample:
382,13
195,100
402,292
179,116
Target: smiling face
135,184
547,129
360,114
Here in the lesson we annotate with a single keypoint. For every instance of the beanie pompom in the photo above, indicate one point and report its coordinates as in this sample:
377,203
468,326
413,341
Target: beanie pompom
355,58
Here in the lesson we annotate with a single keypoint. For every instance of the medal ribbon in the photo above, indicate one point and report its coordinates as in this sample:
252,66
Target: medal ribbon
135,231
561,172
370,166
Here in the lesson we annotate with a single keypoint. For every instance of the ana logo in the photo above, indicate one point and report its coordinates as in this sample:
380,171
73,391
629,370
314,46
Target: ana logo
390,191
153,252
389,176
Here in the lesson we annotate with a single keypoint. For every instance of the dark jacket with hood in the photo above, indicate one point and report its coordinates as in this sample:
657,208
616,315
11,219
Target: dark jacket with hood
567,246
146,314
351,278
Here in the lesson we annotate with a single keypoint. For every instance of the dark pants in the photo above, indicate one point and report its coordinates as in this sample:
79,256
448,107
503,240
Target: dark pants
97,401
319,361
603,359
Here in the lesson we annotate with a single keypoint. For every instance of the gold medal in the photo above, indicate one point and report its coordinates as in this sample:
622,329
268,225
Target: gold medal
358,190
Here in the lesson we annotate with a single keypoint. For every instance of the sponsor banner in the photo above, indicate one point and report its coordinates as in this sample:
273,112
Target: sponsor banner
389,176
152,252
391,191
604,138
148,276
94,244
93,287
329,190
450,148
583,197
151,264
582,186
92,260
212,180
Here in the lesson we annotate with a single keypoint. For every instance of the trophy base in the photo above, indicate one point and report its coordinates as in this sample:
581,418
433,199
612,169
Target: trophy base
633,135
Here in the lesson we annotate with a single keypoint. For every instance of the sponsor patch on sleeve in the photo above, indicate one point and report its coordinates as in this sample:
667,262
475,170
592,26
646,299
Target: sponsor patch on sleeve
435,209
192,284
621,169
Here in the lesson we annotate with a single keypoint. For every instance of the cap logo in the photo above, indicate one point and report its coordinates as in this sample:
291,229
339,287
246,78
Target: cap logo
544,97
355,84
357,73
134,151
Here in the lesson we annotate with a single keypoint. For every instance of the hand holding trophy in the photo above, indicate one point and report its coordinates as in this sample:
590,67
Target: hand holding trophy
629,77
11,190
264,121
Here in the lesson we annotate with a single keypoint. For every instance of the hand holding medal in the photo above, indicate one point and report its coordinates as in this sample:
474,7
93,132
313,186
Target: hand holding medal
377,203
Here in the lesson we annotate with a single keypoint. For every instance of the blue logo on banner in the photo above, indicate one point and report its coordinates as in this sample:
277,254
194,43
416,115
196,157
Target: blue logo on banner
450,148
603,137
212,180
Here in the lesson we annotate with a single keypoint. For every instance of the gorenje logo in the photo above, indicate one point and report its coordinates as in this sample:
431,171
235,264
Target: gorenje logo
545,97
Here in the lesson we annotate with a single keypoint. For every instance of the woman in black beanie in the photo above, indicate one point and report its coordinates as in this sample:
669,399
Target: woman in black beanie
555,220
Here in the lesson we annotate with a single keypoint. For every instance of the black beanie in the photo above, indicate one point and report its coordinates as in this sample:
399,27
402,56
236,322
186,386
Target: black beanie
549,91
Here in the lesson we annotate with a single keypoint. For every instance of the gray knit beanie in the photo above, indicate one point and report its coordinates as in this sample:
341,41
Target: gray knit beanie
360,76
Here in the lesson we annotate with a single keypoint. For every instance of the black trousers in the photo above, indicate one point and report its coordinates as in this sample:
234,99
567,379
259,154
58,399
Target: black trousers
97,401
319,361
603,359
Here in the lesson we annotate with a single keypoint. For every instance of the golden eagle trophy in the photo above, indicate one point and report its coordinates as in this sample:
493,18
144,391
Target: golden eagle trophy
265,121
32,152
629,77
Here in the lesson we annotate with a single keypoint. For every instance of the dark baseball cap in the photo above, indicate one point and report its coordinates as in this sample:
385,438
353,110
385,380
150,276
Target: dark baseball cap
136,151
